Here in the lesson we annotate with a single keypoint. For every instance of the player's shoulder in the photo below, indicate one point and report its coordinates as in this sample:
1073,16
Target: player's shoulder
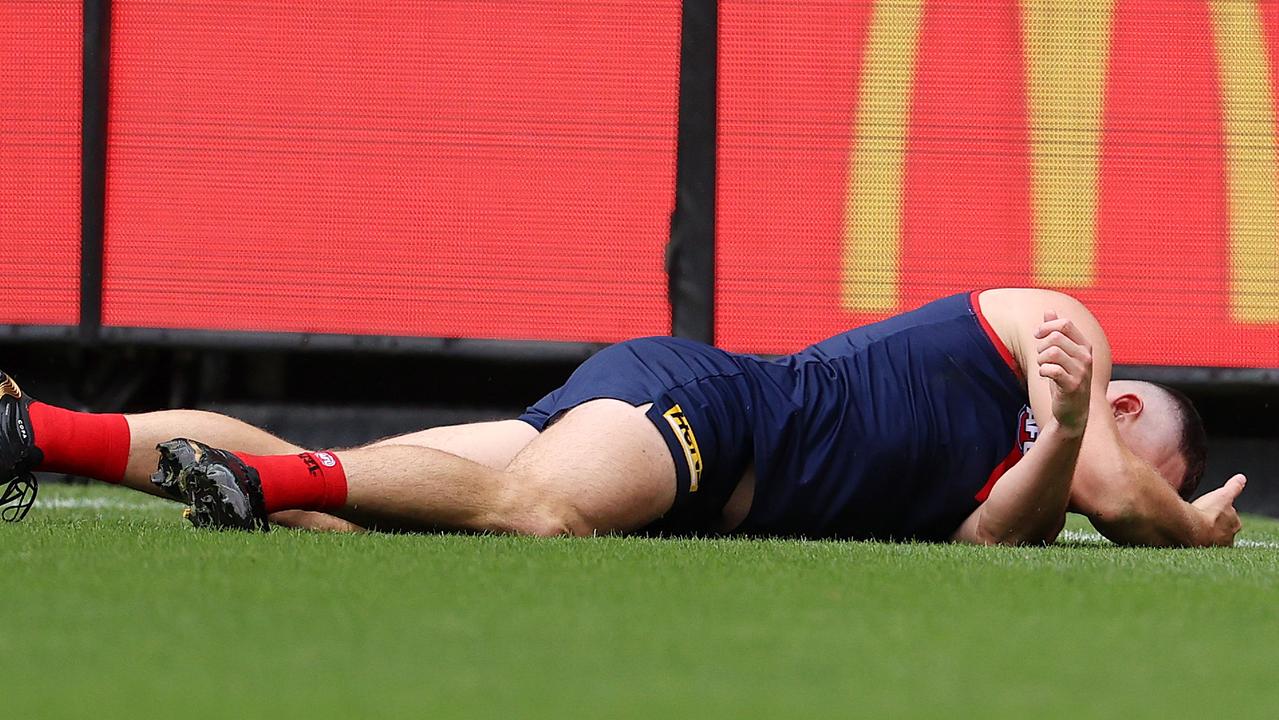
1020,297
1015,313
1026,306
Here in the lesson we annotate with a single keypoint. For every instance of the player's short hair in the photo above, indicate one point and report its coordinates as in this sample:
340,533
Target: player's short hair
1194,440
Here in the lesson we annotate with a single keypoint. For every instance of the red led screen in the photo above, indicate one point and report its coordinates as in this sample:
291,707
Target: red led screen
40,65
460,169
875,155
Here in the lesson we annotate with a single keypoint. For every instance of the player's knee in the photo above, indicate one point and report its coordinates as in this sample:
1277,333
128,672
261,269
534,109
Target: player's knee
547,524
553,519
535,522
529,510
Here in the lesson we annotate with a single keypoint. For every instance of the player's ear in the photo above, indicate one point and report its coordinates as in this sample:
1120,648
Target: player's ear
1126,406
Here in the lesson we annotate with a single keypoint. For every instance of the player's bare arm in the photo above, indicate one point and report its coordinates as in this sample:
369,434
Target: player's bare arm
1123,496
1029,503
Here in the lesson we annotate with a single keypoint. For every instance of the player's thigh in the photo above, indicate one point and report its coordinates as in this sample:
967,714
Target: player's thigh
604,464
492,444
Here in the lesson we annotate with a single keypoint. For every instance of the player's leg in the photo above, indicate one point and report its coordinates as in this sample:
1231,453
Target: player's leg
125,444
150,429
492,444
111,447
603,467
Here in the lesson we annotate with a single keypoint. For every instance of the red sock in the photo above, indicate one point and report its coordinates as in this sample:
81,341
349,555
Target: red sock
94,446
307,481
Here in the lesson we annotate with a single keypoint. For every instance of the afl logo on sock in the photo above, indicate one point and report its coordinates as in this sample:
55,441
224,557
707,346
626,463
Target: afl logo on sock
687,440
326,459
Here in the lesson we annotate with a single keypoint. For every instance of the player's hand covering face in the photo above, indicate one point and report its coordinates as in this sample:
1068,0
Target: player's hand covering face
1065,359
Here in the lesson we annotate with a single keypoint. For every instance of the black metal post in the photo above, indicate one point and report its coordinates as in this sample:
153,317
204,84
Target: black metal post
93,164
690,256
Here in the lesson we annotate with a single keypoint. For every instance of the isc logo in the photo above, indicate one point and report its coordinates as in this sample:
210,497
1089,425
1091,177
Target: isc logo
687,440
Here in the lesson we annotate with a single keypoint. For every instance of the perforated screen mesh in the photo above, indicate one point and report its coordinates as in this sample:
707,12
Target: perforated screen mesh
40,162
459,169
876,155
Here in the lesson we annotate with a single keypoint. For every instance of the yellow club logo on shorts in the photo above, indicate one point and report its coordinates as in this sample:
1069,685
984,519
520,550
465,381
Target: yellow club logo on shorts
688,441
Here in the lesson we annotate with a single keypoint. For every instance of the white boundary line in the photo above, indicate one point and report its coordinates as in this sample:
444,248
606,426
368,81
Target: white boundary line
1085,536
1256,544
73,503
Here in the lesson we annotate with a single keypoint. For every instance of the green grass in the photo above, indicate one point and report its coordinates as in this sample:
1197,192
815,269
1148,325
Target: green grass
122,611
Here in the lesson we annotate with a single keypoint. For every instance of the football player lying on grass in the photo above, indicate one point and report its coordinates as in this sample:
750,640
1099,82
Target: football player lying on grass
982,417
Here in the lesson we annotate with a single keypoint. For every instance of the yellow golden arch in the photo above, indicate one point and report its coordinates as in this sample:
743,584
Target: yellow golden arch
1065,100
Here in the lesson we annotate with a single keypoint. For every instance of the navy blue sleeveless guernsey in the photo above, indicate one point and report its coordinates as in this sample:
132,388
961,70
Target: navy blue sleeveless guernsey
895,430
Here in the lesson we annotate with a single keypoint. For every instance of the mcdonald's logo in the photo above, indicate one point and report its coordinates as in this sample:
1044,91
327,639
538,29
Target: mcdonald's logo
1067,59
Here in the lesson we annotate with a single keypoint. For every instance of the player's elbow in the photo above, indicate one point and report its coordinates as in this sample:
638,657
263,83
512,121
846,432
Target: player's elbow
985,534
1051,531
1022,539
1102,493
1119,506
1015,534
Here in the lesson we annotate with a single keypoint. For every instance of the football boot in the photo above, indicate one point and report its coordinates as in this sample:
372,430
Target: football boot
222,491
18,452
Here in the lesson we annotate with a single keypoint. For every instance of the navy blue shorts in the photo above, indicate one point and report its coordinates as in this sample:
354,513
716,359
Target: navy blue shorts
701,406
